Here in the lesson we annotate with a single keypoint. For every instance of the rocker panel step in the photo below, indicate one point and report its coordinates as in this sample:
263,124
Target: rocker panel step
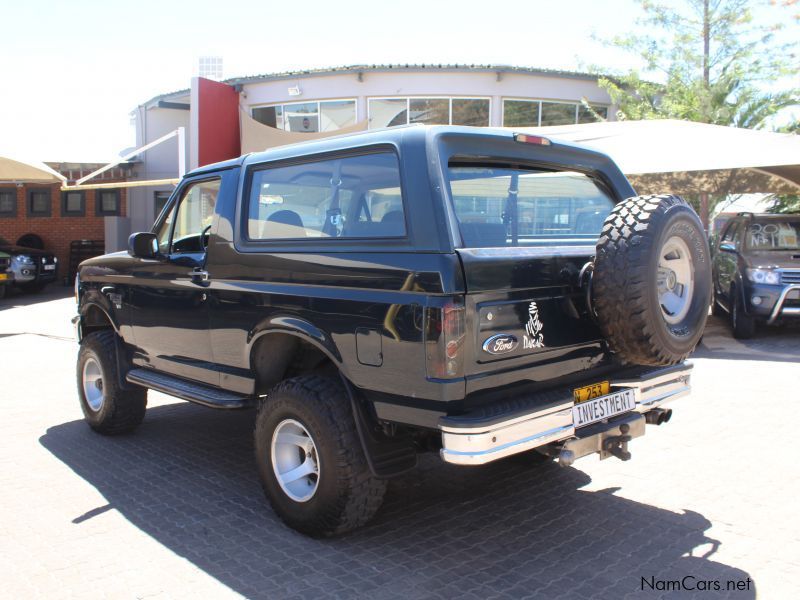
187,390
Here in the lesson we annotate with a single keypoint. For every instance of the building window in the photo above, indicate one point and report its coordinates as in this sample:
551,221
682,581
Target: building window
585,115
39,203
470,111
8,202
520,113
73,204
389,112
558,113
107,203
160,200
533,113
308,117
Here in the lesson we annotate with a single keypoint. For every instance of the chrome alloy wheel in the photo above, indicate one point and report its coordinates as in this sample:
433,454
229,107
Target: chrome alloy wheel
92,379
675,280
294,460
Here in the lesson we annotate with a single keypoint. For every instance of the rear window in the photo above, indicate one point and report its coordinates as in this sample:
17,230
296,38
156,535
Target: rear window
349,197
773,235
499,206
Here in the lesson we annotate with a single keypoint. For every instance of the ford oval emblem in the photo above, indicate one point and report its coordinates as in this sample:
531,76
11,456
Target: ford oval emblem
500,344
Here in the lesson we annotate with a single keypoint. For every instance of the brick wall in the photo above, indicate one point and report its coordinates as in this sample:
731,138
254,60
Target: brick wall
56,231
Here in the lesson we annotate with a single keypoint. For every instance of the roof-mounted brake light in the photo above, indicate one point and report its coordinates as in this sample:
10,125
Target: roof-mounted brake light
531,139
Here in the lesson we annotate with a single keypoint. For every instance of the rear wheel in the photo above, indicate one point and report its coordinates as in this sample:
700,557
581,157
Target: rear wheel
310,460
108,408
744,326
652,280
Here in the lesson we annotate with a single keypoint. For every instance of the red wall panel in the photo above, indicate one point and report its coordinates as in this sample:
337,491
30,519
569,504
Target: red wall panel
218,122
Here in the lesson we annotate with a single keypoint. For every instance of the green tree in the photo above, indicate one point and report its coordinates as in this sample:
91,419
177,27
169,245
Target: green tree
716,65
714,60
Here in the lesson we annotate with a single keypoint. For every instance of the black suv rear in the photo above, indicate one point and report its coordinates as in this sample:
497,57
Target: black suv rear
756,271
396,291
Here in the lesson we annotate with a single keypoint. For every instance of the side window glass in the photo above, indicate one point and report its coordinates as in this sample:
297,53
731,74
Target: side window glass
730,231
163,232
193,217
351,197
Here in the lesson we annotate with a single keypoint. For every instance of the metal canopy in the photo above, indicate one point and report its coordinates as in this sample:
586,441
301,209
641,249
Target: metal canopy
683,157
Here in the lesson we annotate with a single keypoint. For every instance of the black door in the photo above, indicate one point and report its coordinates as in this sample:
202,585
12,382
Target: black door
168,297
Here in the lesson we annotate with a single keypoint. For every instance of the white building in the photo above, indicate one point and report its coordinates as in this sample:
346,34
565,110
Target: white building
327,100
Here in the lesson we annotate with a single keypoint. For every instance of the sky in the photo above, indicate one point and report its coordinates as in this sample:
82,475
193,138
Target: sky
73,71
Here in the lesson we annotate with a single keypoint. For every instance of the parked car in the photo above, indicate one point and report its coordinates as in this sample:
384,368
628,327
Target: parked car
396,291
32,269
756,271
6,276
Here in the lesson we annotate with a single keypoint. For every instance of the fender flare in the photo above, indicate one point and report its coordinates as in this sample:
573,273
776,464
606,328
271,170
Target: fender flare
301,328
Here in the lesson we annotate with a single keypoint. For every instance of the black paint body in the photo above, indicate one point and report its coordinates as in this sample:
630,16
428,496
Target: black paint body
363,302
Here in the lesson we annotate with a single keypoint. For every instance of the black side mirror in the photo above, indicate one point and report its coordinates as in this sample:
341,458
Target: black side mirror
143,245
727,247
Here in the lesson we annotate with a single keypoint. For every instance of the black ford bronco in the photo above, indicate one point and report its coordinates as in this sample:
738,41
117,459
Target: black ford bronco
475,292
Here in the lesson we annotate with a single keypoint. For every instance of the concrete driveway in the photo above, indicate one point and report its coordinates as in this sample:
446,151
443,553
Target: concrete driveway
175,510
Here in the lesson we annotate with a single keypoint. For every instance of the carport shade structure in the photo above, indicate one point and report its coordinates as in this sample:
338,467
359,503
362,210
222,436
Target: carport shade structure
682,157
18,170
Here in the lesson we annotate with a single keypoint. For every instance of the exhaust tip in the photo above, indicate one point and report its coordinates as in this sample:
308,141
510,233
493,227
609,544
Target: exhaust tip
658,416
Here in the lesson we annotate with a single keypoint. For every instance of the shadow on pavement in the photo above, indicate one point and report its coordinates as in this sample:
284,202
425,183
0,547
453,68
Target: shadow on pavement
515,528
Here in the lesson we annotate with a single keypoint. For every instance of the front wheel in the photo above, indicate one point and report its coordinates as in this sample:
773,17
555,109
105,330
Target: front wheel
310,461
108,408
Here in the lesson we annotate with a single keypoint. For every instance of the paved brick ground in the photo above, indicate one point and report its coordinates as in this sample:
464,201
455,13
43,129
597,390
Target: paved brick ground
175,510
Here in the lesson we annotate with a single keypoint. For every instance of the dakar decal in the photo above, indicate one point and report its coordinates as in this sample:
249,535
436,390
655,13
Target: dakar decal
533,338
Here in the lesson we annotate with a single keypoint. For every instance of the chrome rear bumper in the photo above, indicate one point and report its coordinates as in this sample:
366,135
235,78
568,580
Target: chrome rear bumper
474,441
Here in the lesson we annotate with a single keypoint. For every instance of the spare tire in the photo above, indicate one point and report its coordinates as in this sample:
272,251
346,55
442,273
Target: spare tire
651,284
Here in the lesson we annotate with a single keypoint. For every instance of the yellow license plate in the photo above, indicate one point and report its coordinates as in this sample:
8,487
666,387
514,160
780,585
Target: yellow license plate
588,392
3,276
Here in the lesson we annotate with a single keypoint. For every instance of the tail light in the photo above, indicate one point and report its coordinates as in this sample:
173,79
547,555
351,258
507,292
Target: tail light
444,340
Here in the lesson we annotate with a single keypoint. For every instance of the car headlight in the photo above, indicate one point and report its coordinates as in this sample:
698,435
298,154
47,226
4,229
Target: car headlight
767,276
24,259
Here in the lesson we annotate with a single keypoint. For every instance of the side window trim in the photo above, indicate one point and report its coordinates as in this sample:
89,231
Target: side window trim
175,202
247,190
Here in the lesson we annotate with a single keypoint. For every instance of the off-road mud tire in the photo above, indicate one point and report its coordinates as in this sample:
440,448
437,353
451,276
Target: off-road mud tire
121,410
625,288
347,493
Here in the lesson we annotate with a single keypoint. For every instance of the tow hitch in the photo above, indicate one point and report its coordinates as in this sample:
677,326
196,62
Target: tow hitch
617,445
607,439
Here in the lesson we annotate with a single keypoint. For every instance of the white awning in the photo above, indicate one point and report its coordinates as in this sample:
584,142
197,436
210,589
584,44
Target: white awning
257,137
18,170
683,157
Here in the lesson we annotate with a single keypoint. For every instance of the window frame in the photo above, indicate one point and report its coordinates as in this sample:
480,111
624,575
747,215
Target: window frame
319,110
173,206
98,204
428,97
596,176
15,206
243,243
540,101
31,214
73,213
